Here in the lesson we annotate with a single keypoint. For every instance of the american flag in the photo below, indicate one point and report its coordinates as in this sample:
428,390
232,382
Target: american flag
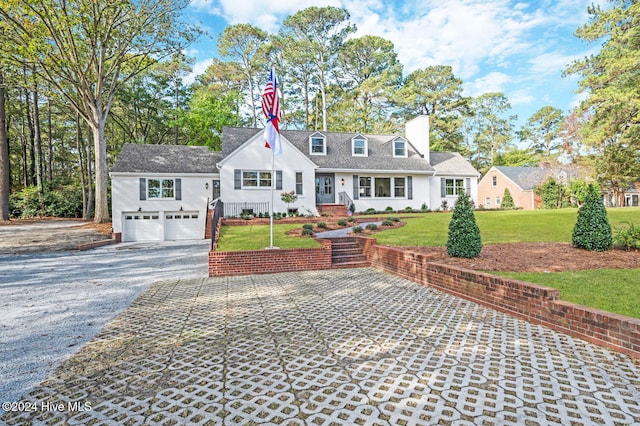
272,112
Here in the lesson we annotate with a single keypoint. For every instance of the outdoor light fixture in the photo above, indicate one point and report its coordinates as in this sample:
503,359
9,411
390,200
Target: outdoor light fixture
206,185
342,181
139,209
180,208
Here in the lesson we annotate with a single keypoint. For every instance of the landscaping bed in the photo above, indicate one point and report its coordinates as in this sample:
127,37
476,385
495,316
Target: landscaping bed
537,257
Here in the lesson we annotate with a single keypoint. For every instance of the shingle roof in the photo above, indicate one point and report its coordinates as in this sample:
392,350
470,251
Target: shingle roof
136,158
451,163
339,155
525,177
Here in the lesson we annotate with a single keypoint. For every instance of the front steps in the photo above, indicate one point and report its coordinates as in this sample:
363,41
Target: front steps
346,253
332,210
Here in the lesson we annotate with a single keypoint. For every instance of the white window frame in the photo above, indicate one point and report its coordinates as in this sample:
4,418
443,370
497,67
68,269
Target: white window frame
299,183
487,203
498,200
317,137
372,187
395,149
261,181
453,186
494,181
365,146
161,189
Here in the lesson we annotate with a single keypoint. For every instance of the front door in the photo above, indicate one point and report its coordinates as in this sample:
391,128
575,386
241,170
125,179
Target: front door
324,189
216,189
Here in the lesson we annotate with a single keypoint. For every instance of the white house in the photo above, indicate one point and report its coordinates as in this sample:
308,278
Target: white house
322,168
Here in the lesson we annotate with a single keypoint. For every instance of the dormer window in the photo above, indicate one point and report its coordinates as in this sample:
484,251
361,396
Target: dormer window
359,147
399,148
317,144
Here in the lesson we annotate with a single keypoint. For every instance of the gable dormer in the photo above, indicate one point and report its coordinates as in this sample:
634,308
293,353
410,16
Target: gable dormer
317,144
400,147
359,146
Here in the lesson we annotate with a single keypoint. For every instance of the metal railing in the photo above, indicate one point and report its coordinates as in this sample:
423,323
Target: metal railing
344,199
240,208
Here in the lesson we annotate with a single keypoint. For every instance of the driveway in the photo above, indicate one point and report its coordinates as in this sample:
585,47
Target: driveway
51,304
330,347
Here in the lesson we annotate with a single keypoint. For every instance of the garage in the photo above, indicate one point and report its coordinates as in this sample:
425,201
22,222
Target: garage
141,226
182,226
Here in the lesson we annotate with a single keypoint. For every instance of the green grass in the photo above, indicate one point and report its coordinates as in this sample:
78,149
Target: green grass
612,290
509,226
256,237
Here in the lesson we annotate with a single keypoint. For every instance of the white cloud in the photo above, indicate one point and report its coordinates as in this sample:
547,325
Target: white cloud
198,69
492,82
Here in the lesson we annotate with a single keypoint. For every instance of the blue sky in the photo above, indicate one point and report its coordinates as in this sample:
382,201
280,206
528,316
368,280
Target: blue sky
518,48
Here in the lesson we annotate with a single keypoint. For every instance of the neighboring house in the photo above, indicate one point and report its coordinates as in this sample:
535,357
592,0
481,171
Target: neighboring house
631,196
162,191
521,182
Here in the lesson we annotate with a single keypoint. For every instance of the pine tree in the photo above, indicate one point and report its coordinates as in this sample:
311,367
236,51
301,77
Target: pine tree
507,200
464,234
592,230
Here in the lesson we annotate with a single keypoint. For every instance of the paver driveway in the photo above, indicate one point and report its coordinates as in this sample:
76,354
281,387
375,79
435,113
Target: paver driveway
331,347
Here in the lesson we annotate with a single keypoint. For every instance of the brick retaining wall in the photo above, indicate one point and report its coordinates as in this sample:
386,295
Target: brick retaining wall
534,303
269,261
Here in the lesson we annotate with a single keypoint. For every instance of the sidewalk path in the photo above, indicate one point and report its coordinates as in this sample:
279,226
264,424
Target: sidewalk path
330,347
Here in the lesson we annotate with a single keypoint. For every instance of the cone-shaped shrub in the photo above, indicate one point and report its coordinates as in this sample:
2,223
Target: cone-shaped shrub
507,200
592,230
464,234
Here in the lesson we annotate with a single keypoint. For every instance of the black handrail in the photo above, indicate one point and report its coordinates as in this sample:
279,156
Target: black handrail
216,216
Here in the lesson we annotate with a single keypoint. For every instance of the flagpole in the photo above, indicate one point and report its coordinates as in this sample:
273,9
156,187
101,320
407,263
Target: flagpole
273,183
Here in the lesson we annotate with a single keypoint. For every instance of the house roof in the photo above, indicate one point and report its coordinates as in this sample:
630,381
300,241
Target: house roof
525,177
528,177
451,163
137,158
339,155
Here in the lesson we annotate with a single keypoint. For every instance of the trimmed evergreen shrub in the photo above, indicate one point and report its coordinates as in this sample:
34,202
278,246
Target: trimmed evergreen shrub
307,226
507,200
322,225
371,226
592,230
387,222
357,229
342,222
307,231
464,235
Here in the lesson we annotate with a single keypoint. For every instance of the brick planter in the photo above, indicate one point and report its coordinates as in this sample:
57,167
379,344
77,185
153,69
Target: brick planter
534,303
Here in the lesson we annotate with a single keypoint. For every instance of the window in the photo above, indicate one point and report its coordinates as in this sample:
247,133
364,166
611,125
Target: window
497,201
160,188
299,183
383,187
399,187
399,148
494,181
256,179
454,187
317,145
365,187
359,147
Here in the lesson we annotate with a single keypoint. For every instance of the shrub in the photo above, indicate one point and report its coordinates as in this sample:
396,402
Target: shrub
322,225
464,235
357,229
342,222
388,209
306,231
370,210
307,226
444,205
352,208
424,207
371,226
393,219
408,209
592,230
350,219
507,200
387,222
627,238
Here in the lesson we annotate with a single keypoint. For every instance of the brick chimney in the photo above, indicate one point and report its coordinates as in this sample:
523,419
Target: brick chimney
417,132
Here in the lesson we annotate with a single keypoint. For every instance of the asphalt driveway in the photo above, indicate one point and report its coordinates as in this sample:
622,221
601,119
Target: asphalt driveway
51,304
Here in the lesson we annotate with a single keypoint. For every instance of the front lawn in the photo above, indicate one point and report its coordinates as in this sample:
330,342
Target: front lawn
612,290
256,237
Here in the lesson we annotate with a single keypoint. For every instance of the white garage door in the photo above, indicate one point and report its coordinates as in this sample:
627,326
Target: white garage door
182,226
141,226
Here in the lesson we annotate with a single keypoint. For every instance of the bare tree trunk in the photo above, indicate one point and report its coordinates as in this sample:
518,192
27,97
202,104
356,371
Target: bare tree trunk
32,137
5,174
175,127
50,144
37,143
83,169
100,154
25,163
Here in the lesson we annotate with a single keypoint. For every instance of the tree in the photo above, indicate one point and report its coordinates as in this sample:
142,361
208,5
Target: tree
464,235
507,200
611,80
437,92
490,129
542,131
319,32
243,46
86,50
209,111
552,194
5,178
592,230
